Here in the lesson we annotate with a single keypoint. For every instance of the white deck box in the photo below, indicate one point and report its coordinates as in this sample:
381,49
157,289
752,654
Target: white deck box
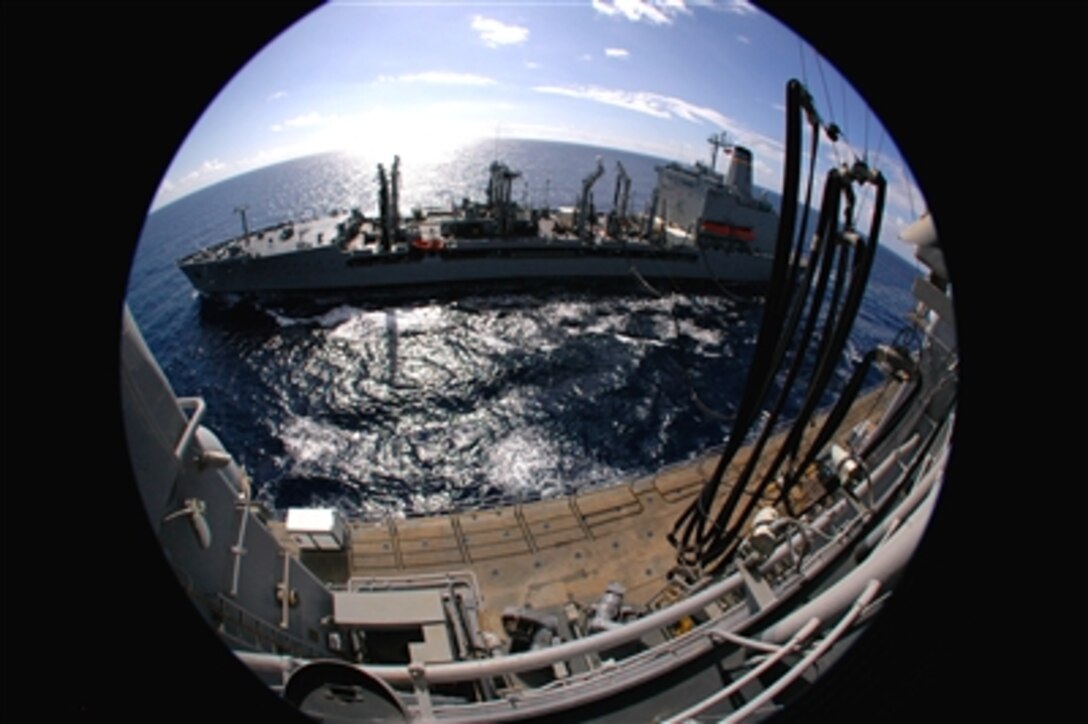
317,529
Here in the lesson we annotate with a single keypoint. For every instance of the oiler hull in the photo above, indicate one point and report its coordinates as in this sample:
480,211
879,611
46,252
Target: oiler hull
331,269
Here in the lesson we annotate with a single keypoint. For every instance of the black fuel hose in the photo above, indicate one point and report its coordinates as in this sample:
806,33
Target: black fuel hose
692,521
832,347
825,249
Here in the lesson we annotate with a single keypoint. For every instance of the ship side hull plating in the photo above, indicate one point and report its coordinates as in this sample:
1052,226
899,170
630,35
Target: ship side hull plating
330,269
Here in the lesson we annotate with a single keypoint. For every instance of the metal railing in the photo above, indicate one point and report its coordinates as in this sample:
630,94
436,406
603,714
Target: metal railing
792,646
253,631
198,407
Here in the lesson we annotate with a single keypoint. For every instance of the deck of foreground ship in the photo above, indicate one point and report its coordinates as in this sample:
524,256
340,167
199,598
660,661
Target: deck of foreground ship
545,554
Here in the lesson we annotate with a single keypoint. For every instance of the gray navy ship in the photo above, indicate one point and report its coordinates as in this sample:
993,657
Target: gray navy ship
702,228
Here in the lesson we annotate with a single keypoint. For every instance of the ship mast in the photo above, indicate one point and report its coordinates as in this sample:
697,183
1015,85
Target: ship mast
383,206
585,200
394,195
623,191
719,141
620,198
241,211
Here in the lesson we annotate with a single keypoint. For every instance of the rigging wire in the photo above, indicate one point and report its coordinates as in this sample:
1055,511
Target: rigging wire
801,51
714,277
866,116
830,108
865,159
845,116
880,143
683,366
823,82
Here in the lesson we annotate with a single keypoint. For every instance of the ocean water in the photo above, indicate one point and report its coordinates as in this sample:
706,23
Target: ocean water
417,405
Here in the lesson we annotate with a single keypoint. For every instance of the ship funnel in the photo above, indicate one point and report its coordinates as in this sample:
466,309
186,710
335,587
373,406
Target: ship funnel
740,171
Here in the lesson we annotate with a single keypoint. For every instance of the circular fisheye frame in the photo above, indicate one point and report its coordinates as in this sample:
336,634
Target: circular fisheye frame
500,376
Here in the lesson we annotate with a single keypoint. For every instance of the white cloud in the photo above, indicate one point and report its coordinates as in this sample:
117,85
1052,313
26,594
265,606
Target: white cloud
768,152
277,95
495,32
778,107
653,104
744,39
532,64
741,7
208,172
439,77
586,56
658,12
310,119
265,156
304,121
616,52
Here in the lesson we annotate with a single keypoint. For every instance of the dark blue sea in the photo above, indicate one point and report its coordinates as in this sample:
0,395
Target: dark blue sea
418,405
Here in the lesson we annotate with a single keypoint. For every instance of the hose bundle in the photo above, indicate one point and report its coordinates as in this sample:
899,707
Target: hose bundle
794,306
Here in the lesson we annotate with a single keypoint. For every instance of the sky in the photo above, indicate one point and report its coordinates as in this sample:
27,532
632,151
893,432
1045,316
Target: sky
649,76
